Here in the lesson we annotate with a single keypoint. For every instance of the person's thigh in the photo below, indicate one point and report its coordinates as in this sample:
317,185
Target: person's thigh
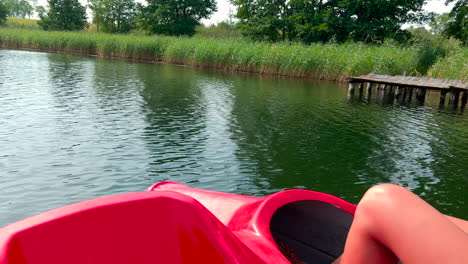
391,220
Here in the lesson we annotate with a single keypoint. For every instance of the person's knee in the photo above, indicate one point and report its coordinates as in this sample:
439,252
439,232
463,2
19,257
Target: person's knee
381,201
386,190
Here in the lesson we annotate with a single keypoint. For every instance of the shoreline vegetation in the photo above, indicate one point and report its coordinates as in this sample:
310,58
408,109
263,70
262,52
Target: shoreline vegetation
328,61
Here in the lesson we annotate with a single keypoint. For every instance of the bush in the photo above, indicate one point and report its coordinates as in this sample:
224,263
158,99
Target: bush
431,48
453,66
220,30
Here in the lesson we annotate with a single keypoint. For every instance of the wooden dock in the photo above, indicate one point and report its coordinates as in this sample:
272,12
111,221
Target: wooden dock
404,88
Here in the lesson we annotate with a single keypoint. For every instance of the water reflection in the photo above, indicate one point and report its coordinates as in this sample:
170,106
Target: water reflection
299,137
174,122
90,127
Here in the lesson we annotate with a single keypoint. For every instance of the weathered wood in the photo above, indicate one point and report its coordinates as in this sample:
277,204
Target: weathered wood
401,88
410,96
387,90
351,88
391,90
360,88
464,98
443,93
382,90
431,83
368,90
404,93
454,98
422,97
418,94
397,92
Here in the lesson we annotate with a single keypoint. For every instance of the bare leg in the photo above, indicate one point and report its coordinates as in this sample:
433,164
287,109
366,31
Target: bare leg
462,224
392,223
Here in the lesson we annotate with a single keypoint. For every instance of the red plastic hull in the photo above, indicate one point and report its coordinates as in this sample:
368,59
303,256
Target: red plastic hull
169,223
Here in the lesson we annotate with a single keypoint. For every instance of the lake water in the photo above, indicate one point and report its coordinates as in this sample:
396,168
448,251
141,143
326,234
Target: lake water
75,128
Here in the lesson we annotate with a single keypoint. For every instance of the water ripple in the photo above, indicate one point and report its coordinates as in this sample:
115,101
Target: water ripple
74,128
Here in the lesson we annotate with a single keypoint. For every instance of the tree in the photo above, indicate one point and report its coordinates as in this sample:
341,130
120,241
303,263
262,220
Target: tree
439,23
40,11
262,19
3,12
114,15
309,20
457,26
19,8
324,20
372,20
64,15
174,17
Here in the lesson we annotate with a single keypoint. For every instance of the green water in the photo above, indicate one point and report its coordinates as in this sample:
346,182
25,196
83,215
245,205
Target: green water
75,128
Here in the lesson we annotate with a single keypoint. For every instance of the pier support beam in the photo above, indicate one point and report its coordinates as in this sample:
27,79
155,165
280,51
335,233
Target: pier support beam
443,93
351,88
420,95
360,88
368,88
404,91
423,96
454,98
410,94
397,92
464,98
382,91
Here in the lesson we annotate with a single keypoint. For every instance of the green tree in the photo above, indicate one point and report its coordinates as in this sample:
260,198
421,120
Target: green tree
3,12
262,19
457,26
322,20
308,21
439,23
19,8
372,20
64,15
174,17
114,15
40,11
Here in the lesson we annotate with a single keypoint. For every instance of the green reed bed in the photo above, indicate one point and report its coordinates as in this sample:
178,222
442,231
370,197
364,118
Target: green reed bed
319,61
453,66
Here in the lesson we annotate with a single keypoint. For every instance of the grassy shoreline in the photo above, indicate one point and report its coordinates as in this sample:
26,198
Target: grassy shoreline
316,61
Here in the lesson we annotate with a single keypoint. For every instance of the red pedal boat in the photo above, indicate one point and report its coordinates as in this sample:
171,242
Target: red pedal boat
173,223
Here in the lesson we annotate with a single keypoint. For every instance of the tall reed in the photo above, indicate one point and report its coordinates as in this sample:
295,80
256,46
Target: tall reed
318,61
453,66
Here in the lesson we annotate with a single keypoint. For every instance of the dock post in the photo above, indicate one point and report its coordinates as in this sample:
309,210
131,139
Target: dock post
453,99
418,94
397,92
404,91
410,94
360,87
443,93
464,98
389,90
368,90
423,95
381,86
383,91
352,87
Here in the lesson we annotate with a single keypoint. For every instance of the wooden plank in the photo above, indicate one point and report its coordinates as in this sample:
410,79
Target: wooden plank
413,81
